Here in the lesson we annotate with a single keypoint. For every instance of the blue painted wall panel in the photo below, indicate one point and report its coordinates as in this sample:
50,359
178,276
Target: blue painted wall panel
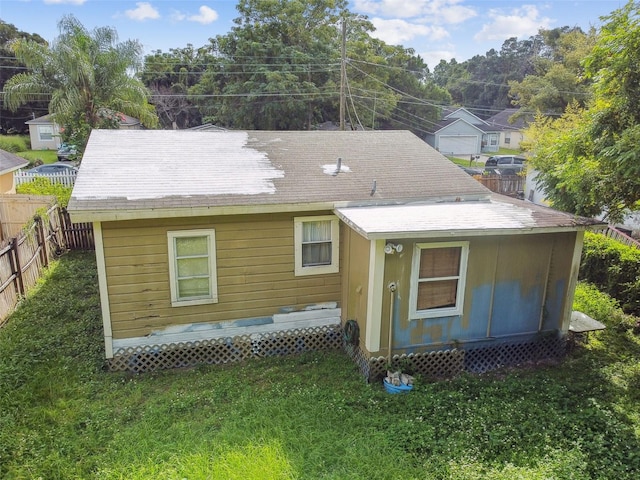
515,311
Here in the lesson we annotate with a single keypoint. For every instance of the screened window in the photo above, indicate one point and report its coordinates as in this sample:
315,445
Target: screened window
45,132
192,267
438,279
316,245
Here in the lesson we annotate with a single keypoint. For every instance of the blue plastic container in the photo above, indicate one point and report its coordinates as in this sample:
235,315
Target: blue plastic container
396,388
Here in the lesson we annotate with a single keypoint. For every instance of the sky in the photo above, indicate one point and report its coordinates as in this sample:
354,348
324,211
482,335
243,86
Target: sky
435,29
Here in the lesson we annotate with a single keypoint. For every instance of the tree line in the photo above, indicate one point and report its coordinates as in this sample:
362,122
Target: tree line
281,66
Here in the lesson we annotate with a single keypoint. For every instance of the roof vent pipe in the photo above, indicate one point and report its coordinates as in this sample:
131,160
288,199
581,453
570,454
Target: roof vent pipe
338,165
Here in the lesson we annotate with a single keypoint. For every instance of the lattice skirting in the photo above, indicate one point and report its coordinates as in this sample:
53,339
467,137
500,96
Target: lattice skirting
225,350
448,363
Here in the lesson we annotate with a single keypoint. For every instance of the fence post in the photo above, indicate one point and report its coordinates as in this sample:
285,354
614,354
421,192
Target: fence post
17,268
42,241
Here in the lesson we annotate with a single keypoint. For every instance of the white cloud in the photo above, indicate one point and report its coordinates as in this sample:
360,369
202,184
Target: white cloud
432,58
521,22
431,11
396,31
143,11
205,16
61,2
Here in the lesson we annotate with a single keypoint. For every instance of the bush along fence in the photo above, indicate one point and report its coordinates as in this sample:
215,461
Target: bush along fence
613,267
68,179
22,258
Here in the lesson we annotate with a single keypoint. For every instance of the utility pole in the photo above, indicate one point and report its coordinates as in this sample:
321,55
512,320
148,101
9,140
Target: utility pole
343,72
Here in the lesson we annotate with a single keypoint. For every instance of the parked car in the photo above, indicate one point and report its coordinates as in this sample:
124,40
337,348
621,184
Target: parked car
58,167
67,152
505,164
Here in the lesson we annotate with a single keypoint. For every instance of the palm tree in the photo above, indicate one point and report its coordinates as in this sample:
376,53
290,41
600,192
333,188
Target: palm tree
86,75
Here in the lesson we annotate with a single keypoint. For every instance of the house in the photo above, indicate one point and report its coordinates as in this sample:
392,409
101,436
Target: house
45,135
511,124
9,163
461,133
218,246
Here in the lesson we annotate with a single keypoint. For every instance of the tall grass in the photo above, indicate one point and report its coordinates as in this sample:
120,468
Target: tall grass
307,417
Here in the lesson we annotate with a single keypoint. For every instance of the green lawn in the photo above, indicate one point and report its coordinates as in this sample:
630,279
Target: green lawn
20,145
309,417
47,156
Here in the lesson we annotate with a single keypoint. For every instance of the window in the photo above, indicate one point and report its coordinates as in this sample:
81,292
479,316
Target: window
316,245
438,278
192,267
507,138
45,132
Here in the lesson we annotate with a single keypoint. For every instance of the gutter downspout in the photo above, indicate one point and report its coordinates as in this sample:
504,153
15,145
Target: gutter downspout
392,289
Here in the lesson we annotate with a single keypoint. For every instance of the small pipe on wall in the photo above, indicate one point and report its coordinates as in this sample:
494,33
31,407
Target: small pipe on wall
392,290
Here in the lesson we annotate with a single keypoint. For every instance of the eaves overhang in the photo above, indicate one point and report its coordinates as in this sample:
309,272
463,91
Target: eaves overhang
459,219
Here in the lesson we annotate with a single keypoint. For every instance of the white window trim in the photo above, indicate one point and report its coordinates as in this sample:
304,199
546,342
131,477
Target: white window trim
49,133
335,246
462,278
173,277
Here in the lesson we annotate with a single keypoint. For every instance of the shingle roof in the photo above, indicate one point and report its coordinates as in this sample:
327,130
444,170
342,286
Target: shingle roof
10,162
151,170
503,121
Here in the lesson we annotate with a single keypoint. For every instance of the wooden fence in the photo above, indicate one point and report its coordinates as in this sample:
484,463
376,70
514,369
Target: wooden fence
512,185
22,258
621,237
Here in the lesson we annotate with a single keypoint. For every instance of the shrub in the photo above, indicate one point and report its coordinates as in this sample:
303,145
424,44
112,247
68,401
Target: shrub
14,143
613,268
591,301
44,186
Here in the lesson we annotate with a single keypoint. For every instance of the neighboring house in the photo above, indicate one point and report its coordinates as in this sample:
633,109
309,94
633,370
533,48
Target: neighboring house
45,135
217,246
461,133
9,163
511,127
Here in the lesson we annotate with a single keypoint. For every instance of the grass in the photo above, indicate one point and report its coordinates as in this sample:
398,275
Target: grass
307,417
464,161
47,156
20,145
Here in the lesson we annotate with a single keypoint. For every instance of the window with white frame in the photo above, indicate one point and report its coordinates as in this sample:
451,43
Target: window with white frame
192,267
316,245
438,279
45,132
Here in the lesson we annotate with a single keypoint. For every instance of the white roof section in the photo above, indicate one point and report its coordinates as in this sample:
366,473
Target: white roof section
125,176
500,215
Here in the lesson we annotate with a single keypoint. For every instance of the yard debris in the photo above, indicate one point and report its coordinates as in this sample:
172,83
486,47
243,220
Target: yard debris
398,378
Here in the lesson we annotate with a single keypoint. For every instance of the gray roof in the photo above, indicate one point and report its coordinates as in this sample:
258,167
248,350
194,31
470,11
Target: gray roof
156,173
10,162
503,119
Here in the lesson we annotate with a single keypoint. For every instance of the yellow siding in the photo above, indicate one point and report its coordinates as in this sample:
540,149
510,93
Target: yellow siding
355,279
255,270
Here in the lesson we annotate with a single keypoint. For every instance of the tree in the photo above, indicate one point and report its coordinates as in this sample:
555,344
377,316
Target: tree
589,160
86,75
279,68
559,78
14,121
275,68
169,77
